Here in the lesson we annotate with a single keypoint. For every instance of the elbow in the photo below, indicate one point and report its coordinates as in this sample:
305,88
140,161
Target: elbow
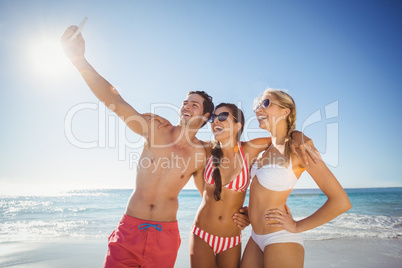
345,205
341,205
349,205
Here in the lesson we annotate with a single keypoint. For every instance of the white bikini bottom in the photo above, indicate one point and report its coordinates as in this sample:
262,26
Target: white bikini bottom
282,236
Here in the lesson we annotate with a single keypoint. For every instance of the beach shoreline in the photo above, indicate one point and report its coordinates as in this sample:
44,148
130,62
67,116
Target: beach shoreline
343,252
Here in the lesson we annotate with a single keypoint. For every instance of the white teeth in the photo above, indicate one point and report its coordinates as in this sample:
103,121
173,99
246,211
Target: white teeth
186,114
262,117
218,129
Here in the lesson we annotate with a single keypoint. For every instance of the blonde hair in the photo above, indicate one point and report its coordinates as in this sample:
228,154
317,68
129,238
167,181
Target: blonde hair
287,101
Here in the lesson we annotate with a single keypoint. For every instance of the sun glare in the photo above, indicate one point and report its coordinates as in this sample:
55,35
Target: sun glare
47,57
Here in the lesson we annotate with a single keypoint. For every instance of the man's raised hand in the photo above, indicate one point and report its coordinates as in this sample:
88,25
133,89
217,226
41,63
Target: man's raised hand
74,48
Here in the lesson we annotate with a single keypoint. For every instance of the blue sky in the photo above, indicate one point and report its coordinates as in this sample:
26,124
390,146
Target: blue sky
340,60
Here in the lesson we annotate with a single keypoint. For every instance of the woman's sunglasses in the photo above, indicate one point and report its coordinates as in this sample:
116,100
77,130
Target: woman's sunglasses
265,104
221,117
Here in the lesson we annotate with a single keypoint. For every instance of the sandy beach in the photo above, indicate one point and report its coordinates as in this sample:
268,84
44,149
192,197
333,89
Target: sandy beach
350,252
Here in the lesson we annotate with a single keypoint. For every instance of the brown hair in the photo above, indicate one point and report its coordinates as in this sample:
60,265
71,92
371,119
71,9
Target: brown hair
208,105
217,151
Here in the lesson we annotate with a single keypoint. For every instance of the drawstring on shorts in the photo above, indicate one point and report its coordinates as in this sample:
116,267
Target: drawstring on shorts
145,226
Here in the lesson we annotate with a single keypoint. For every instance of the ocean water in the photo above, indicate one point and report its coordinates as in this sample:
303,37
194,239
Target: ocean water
93,214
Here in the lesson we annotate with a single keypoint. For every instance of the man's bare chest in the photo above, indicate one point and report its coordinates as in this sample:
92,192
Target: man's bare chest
173,159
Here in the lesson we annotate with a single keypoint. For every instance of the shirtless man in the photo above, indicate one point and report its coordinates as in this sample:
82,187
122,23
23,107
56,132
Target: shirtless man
148,234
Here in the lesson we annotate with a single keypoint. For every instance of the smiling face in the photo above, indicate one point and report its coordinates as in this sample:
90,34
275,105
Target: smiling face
225,130
191,112
273,116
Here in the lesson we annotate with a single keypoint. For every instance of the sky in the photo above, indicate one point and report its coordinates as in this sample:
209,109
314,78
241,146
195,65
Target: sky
340,60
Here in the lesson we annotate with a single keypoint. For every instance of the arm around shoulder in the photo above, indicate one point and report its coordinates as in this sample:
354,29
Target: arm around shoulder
255,146
300,143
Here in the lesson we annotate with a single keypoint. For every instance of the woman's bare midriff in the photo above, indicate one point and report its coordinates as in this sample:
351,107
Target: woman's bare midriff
216,217
262,200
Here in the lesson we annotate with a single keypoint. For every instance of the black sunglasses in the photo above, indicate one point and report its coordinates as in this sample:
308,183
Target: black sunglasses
265,104
221,117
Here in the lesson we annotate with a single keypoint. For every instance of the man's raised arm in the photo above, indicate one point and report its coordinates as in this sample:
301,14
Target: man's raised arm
101,88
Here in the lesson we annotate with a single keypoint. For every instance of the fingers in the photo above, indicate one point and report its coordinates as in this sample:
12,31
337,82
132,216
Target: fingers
276,217
307,151
163,124
293,148
75,48
69,32
287,209
276,225
275,210
306,147
303,153
151,117
276,220
241,227
240,221
161,120
279,218
241,218
313,152
244,210
276,214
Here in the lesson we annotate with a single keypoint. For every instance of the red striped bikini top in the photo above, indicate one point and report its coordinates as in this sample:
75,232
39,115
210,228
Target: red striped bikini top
239,184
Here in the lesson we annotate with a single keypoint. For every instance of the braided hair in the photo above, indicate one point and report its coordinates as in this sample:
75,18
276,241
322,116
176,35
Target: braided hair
287,101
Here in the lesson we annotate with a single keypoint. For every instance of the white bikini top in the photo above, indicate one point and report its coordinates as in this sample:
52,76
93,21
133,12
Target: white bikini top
274,177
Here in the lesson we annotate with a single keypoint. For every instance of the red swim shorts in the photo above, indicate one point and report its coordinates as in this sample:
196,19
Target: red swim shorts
143,243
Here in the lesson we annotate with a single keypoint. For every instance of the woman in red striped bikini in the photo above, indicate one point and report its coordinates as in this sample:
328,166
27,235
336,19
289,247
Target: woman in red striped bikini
215,240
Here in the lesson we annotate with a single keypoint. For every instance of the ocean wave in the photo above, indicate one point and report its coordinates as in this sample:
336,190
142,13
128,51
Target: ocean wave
95,213
50,230
358,225
61,193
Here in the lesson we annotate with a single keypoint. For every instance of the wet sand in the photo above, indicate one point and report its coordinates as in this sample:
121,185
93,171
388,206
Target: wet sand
350,252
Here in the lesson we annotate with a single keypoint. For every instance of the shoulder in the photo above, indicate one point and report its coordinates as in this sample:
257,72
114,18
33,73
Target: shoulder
207,147
158,136
156,121
200,148
200,152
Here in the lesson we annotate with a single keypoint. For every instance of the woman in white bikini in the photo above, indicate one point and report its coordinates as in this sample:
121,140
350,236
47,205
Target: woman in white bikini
276,240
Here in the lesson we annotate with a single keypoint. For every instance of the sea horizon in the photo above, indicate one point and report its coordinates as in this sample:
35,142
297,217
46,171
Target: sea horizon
94,213
9,189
